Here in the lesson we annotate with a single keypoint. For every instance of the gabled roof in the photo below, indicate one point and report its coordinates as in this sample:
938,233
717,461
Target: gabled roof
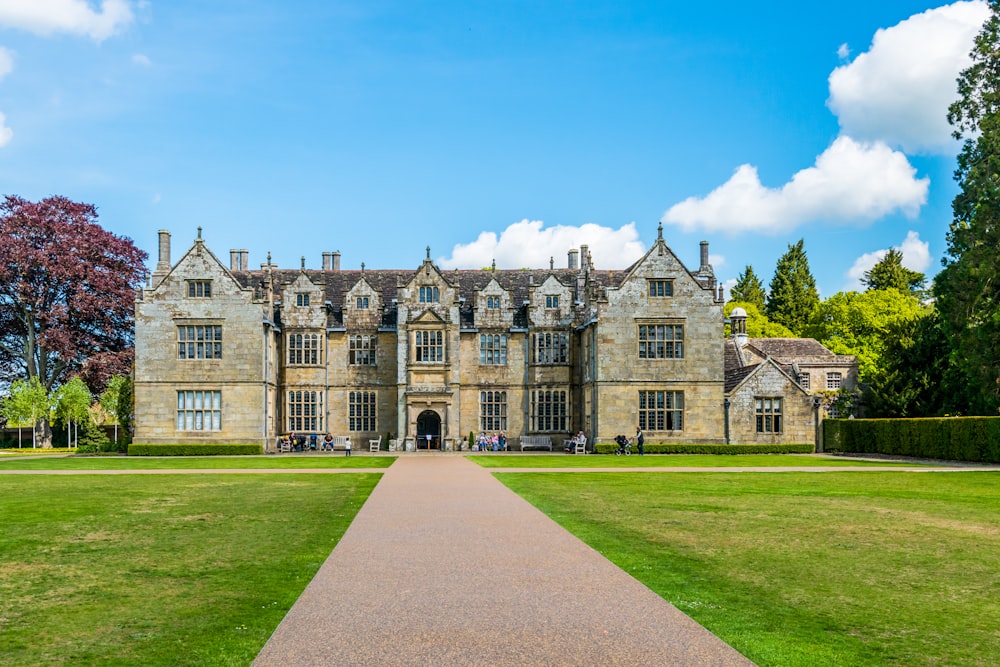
795,350
734,378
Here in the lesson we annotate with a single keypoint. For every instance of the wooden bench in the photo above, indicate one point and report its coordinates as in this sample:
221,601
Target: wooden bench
536,442
339,442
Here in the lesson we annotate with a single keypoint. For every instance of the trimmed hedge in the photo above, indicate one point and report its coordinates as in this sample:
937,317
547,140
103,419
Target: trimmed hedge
975,439
669,448
194,450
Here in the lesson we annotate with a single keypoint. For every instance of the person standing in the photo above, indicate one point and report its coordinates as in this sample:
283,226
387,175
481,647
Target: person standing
639,439
347,447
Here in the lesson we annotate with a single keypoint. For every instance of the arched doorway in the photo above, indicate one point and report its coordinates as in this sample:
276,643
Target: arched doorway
428,424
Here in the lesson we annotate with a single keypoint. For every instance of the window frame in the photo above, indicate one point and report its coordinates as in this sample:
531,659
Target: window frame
492,410
302,299
193,417
304,349
204,343
660,346
362,350
768,415
200,285
428,346
661,410
362,410
429,294
550,348
549,410
660,288
834,380
551,302
304,410
493,349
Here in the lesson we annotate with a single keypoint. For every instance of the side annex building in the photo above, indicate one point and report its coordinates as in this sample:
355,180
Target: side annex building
233,355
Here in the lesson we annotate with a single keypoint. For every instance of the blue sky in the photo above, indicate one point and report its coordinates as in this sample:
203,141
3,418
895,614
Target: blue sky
501,130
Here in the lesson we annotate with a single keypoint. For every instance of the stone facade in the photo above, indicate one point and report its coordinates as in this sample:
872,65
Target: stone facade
234,355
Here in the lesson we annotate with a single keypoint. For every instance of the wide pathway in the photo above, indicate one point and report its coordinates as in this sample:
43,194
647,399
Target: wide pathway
445,566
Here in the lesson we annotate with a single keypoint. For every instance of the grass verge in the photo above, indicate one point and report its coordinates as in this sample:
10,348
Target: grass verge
672,461
804,569
196,462
161,570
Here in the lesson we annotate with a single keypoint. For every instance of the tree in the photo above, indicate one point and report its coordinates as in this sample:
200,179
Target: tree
125,411
749,289
889,273
112,395
67,289
968,288
71,403
792,296
28,402
758,326
858,323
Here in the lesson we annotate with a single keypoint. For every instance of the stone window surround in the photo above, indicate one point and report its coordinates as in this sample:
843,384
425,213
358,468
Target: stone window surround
549,411
661,410
304,410
361,408
201,341
193,414
362,349
767,411
492,411
493,349
199,289
660,339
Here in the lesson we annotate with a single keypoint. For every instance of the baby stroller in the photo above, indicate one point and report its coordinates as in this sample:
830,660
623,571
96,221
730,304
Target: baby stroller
624,446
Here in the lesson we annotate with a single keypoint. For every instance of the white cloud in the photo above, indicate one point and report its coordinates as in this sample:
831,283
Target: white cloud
899,90
851,182
6,62
844,51
141,59
6,134
916,257
44,17
529,244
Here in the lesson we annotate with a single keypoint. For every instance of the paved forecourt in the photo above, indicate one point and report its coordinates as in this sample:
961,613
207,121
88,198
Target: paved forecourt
446,566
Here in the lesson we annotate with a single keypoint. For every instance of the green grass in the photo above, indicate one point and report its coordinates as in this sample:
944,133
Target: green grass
161,570
804,569
670,461
196,462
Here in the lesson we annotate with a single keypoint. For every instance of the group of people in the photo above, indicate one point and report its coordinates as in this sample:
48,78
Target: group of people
577,439
496,442
297,442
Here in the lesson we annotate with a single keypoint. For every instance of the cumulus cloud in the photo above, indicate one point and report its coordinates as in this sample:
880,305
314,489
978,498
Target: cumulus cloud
844,51
45,17
899,90
6,134
529,243
916,257
851,182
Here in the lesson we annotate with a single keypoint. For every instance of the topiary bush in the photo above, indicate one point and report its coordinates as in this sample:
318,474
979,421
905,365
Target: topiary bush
193,450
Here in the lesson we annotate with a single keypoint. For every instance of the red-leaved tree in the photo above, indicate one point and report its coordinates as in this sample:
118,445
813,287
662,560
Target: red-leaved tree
67,290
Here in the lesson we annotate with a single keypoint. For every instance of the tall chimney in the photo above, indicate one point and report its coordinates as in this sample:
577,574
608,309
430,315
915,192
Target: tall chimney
163,261
584,256
234,260
244,260
572,256
704,258
336,260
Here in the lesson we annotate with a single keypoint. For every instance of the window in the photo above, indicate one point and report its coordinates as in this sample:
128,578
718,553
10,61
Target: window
200,289
362,303
361,408
429,295
301,299
550,348
303,349
428,346
833,380
361,350
548,410
199,410
661,410
199,341
492,302
492,411
661,341
551,300
768,411
805,380
305,411
493,349
658,288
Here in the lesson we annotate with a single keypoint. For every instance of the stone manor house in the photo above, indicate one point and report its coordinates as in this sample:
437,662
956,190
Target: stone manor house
234,355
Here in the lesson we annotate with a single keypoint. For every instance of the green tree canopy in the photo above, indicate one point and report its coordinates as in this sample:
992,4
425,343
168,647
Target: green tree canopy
792,296
859,323
758,326
749,289
968,288
28,403
889,273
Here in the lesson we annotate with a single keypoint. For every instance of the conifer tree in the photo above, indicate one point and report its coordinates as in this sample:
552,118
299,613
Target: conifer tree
749,289
889,273
792,296
968,288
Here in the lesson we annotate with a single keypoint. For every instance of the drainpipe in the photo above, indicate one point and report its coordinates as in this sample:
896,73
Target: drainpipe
725,406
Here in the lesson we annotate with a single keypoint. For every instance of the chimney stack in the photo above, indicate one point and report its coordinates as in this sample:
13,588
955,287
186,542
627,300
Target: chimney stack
163,260
234,260
244,260
327,261
705,268
572,258
336,260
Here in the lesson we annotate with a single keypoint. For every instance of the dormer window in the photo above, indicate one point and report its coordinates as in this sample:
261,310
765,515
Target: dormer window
492,302
200,289
552,301
362,303
301,299
429,295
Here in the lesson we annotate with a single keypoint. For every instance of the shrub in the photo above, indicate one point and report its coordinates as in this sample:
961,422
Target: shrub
975,439
688,448
193,450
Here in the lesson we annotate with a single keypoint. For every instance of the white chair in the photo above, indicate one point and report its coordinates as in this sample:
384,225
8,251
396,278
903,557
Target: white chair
581,446
375,445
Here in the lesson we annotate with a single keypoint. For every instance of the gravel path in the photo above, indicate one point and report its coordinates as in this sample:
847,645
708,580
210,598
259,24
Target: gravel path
445,566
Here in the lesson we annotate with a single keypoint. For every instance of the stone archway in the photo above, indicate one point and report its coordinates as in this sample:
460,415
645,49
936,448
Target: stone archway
428,424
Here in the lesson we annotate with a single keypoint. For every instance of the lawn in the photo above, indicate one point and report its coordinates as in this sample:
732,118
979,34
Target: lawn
669,461
879,568
193,569
196,462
